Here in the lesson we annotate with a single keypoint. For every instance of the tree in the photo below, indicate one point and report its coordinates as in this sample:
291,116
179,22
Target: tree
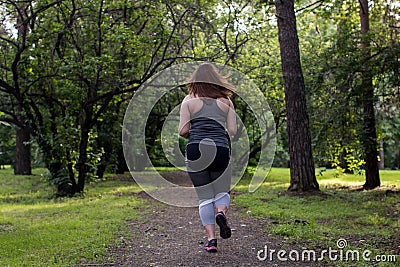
103,52
367,95
333,66
15,86
302,170
86,58
16,78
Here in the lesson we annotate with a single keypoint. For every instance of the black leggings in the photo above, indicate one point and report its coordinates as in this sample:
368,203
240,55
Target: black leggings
220,161
217,173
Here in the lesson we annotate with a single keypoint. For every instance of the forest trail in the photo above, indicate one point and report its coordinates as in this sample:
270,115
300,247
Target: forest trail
169,236
173,236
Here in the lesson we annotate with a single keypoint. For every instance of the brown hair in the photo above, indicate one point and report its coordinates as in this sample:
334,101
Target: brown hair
206,81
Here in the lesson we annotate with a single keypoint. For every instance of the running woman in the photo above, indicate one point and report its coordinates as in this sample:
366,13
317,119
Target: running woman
208,120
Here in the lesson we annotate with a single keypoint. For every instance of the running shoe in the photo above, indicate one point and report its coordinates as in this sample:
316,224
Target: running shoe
211,246
224,228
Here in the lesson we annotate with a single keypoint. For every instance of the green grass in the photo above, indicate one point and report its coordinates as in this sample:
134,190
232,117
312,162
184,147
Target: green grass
38,230
341,212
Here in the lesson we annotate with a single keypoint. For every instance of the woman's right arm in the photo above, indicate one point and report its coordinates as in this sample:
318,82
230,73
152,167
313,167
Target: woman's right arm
231,120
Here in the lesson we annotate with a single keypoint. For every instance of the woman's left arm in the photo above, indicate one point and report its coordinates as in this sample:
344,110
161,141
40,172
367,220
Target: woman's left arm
184,119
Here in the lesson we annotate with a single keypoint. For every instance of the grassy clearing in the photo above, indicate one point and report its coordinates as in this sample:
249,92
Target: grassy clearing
38,230
366,219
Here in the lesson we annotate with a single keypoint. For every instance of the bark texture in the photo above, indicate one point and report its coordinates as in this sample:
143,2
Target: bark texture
302,169
370,143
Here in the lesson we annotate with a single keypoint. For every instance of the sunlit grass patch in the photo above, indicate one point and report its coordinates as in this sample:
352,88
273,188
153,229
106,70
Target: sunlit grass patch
338,212
39,230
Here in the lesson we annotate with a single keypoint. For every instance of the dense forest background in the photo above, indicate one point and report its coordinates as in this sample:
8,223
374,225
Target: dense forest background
68,70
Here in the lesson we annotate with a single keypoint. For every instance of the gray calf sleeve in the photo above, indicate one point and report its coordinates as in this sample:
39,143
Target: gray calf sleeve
206,207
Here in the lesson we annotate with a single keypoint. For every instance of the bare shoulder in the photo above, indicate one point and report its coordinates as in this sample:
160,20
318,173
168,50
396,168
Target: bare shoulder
187,97
224,104
193,103
226,101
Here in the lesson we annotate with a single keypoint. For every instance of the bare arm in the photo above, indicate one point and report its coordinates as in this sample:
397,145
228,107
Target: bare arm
184,119
231,120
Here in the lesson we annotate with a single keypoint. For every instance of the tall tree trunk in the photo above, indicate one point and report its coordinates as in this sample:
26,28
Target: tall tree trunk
86,123
23,164
121,163
83,157
369,134
302,169
23,152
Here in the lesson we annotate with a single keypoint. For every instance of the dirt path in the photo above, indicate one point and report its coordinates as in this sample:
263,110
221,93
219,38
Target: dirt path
170,236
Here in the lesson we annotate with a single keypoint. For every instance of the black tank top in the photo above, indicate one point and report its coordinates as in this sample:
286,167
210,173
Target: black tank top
209,122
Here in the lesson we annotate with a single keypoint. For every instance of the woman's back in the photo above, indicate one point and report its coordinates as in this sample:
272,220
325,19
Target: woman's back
208,121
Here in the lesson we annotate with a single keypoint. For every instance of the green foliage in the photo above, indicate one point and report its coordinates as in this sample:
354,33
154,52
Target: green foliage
332,62
82,61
